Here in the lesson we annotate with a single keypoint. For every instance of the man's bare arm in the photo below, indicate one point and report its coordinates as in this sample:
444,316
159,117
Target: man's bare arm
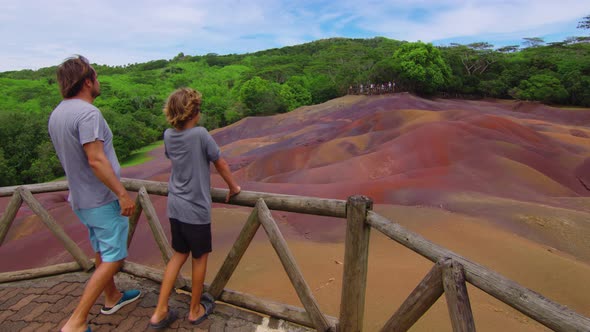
104,172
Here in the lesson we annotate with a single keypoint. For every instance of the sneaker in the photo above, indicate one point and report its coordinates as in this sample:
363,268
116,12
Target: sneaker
128,297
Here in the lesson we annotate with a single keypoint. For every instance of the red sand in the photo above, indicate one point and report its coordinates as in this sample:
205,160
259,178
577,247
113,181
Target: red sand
397,149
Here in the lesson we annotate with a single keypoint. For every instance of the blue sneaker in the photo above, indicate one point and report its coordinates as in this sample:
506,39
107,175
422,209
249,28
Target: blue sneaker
128,297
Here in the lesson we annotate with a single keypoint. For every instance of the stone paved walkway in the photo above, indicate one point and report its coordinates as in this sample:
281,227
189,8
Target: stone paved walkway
45,304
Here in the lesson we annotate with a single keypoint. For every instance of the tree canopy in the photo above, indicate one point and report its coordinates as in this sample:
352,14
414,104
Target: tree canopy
420,67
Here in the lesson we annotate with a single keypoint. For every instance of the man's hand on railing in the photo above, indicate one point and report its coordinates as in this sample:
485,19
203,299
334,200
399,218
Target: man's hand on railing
127,204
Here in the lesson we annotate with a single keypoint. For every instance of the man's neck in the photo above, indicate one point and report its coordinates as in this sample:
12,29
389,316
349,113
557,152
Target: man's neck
83,97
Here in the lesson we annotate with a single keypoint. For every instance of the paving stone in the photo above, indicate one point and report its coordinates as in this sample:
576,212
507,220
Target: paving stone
143,312
149,300
33,290
182,329
53,317
128,323
70,288
57,288
23,302
46,304
10,326
48,298
141,324
217,326
205,325
32,327
95,310
102,328
5,314
4,291
18,315
37,310
77,292
48,327
71,306
14,299
63,303
63,321
114,319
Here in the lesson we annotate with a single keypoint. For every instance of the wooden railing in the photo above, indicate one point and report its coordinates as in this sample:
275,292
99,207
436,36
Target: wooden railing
449,274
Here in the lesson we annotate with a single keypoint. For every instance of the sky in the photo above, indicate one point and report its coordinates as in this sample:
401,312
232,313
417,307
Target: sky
42,33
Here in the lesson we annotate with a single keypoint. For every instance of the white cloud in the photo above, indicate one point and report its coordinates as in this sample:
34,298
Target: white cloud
38,33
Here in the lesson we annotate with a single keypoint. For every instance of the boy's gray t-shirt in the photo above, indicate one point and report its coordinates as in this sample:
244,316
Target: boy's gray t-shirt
73,123
189,188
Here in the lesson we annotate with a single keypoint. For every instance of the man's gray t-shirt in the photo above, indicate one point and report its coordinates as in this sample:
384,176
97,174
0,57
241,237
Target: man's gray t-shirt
189,188
73,123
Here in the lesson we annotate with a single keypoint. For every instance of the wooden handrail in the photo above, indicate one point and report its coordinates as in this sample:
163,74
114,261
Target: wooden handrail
280,202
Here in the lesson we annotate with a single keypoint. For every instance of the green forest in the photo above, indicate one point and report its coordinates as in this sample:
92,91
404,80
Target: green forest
279,80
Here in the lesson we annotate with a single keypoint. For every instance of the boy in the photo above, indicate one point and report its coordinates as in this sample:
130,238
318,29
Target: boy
190,149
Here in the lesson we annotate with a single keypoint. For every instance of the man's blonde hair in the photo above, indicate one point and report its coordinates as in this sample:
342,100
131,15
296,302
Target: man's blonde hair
182,105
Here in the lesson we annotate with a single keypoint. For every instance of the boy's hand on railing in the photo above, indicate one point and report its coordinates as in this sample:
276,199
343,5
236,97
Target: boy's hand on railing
232,192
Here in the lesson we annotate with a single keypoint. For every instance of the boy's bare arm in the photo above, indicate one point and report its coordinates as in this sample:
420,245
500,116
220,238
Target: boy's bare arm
223,170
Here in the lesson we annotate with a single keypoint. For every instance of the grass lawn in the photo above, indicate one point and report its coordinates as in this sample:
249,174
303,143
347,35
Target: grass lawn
140,156
137,157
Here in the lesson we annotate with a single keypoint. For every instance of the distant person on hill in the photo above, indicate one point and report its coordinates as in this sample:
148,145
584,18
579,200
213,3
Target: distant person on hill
84,146
191,149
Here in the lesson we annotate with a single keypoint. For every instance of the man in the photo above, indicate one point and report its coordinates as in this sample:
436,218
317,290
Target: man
84,144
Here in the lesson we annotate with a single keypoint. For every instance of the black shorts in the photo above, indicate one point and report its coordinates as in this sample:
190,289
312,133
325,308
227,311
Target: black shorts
190,238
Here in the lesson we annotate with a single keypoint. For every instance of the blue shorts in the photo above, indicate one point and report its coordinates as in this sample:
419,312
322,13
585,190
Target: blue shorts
107,230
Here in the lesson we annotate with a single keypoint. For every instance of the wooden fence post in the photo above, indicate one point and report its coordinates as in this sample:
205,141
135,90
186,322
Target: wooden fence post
457,297
8,217
235,254
134,218
155,225
356,254
54,227
419,301
288,261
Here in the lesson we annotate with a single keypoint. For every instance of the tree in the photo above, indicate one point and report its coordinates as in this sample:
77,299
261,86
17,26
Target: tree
477,57
262,97
508,49
584,23
420,67
46,167
543,87
533,41
8,175
295,95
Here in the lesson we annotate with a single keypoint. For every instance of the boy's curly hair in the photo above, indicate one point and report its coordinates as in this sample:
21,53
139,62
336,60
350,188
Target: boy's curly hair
182,105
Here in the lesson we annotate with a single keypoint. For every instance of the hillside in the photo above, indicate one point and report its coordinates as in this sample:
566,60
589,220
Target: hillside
278,81
501,182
